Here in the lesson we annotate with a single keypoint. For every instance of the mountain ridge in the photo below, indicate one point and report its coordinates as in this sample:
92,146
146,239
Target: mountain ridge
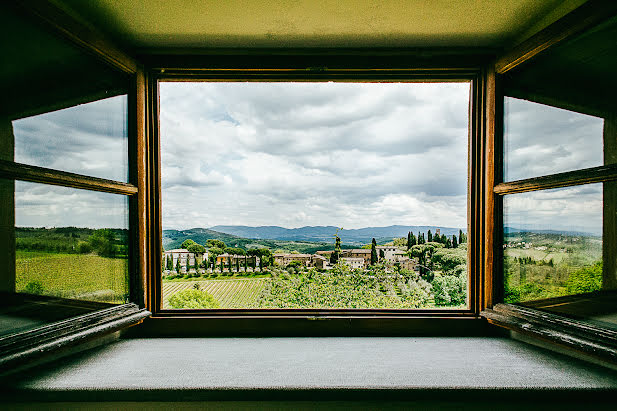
326,233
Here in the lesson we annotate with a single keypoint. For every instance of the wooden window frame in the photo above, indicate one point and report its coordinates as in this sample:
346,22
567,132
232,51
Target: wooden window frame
28,347
590,341
323,65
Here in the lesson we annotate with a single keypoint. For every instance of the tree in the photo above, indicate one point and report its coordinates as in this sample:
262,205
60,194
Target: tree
382,255
454,242
237,264
102,242
460,237
246,265
192,298
419,238
196,266
334,257
448,243
222,266
196,249
186,243
235,251
170,263
430,236
373,252
178,267
444,239
215,243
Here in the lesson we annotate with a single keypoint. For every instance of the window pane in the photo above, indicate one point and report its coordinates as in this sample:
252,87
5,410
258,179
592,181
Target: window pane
89,139
262,176
541,140
71,243
557,105
553,252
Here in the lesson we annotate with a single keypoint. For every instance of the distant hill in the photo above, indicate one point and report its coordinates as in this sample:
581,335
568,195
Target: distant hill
515,230
174,238
325,233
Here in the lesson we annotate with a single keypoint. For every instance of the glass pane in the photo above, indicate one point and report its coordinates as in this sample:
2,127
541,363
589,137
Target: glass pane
71,243
557,104
553,252
541,140
89,139
259,178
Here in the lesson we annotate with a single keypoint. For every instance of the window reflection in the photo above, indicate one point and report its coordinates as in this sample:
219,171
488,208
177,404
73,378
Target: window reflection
71,243
541,140
89,139
553,253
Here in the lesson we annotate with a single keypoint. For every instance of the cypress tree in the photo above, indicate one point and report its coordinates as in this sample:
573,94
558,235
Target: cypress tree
413,239
374,251
178,268
444,239
454,242
222,266
237,264
430,236
460,236
419,238
408,240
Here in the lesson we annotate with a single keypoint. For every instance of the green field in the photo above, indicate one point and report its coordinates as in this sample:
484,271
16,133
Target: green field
80,276
236,293
540,265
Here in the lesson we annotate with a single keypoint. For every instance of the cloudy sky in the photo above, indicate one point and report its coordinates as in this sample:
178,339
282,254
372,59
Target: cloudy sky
541,140
89,139
298,154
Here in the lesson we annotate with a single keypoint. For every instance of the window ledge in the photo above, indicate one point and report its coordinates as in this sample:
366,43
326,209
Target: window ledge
318,368
21,349
594,341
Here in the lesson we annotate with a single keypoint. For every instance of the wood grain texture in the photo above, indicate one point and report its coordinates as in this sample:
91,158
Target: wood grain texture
43,175
569,178
586,16
489,201
21,348
582,337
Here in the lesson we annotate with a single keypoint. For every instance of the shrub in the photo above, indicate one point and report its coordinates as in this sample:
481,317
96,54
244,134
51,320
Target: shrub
192,298
449,290
585,280
34,287
84,247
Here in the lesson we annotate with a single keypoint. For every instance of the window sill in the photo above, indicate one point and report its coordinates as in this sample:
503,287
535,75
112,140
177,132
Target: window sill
21,349
477,369
596,342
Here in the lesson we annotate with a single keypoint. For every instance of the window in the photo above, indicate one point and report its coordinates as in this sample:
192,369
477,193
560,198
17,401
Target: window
559,237
272,194
67,168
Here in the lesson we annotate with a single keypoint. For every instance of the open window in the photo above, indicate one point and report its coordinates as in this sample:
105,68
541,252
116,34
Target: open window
67,174
556,192
273,191
315,195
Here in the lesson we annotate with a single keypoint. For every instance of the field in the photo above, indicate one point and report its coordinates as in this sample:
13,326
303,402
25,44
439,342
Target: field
81,276
539,265
236,293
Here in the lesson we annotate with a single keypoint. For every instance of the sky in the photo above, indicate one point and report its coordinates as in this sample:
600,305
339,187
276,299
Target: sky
304,154
295,154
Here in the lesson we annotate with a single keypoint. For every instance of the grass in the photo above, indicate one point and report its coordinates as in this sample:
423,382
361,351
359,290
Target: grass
80,276
235,293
